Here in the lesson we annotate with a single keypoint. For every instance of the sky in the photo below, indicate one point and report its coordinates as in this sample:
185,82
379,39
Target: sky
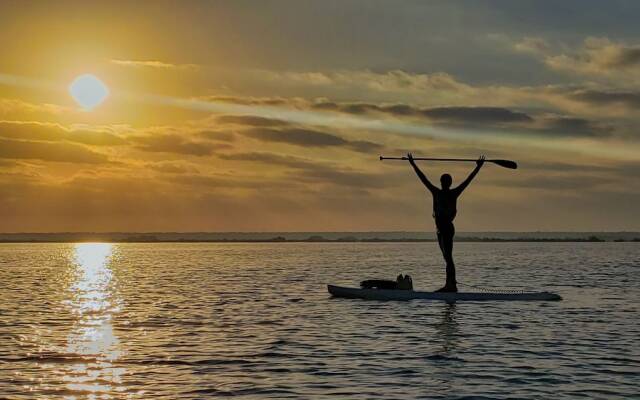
271,115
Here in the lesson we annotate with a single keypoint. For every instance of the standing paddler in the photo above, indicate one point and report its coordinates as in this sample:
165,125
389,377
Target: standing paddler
444,212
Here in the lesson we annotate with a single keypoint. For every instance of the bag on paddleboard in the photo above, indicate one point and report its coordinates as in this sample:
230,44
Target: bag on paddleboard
401,283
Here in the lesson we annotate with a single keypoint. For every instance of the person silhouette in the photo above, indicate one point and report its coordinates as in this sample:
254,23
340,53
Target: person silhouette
444,212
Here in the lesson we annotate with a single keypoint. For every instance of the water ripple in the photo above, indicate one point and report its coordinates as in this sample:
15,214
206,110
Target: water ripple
191,321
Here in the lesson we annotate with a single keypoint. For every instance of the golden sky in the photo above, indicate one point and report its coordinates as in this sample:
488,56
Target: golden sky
270,116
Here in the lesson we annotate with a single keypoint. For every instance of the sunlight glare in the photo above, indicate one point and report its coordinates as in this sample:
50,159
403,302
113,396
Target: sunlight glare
94,301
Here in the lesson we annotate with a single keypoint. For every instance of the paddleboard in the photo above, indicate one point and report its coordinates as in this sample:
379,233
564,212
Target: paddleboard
390,294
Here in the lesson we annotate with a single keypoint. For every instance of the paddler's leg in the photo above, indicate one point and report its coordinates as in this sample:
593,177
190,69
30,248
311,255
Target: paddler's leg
440,241
451,267
446,231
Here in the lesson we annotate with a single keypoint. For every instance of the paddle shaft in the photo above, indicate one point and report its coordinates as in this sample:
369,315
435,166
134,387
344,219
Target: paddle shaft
431,159
503,163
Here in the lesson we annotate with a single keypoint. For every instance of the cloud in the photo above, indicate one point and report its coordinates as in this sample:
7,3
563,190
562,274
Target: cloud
58,152
252,101
308,138
607,98
563,166
612,173
224,181
537,121
534,45
482,118
598,57
364,146
95,138
213,181
16,106
627,57
177,144
51,132
153,64
221,136
296,136
270,159
459,114
332,176
304,170
250,120
172,167
410,103
481,115
555,182
390,81
576,127
613,55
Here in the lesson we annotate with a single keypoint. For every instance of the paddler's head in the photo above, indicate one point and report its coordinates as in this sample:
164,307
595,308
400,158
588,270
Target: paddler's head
446,181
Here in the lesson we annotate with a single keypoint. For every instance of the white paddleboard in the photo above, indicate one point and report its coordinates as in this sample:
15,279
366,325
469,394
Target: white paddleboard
390,294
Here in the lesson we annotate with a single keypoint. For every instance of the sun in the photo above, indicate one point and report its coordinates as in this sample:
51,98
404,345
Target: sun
88,91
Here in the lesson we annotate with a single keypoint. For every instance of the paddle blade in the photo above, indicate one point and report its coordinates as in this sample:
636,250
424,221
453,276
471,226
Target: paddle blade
505,163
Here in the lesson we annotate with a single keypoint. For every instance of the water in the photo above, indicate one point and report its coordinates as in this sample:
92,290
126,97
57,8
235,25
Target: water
187,321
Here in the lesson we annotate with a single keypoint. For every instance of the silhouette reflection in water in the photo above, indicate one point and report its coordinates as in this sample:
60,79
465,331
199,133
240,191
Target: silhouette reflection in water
448,329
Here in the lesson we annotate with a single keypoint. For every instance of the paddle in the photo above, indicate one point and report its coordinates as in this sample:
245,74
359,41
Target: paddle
503,163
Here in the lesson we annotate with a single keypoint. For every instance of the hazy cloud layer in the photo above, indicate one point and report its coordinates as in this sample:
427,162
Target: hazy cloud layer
481,118
250,120
178,144
597,57
309,138
272,159
393,81
153,64
455,115
58,152
17,107
304,171
607,98
56,132
172,167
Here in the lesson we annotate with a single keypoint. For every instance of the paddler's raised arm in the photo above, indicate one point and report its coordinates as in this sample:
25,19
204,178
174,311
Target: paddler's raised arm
421,175
472,175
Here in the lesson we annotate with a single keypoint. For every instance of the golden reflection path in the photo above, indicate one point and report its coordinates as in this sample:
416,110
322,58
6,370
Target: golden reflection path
94,300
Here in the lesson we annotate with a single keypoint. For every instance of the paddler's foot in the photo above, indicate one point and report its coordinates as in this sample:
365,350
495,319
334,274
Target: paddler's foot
448,289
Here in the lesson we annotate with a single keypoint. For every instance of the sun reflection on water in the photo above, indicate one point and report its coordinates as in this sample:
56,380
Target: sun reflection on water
94,300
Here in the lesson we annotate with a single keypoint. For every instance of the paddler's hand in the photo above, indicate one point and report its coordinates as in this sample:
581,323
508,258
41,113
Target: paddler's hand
480,162
410,158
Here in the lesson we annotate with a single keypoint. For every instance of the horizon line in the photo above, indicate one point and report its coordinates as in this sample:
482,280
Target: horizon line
312,231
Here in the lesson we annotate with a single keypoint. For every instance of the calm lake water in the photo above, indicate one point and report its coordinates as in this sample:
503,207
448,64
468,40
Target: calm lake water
188,321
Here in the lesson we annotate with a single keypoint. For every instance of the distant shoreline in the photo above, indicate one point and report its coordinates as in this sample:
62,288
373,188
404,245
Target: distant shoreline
299,237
